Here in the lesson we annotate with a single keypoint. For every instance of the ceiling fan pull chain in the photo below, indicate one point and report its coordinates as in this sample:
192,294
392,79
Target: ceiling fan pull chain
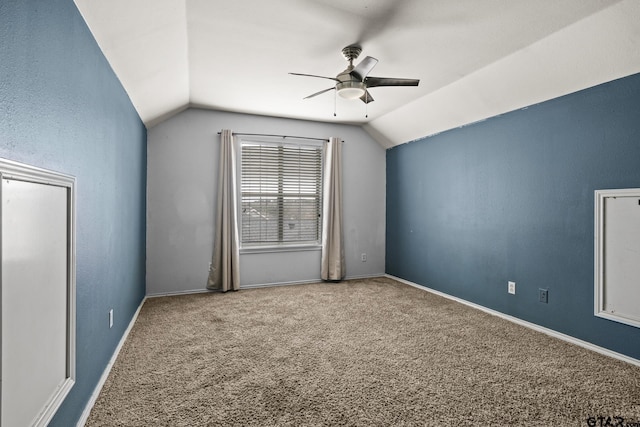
335,101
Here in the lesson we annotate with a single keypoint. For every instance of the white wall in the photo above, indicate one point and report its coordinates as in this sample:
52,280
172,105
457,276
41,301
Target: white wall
182,158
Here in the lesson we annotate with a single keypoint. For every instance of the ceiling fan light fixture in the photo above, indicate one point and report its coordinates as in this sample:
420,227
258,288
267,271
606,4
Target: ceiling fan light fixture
351,89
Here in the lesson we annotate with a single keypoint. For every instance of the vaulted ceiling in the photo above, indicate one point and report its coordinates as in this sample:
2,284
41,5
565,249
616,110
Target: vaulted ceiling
474,58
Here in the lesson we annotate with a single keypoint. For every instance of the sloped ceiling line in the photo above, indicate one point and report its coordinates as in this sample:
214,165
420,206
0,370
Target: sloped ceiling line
474,59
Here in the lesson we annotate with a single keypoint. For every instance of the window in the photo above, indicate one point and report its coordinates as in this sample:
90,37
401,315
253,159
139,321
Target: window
281,187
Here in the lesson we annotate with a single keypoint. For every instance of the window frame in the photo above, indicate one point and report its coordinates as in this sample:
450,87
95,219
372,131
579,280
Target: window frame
280,246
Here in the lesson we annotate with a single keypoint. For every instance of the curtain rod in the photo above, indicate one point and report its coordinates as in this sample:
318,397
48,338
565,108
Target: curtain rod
279,136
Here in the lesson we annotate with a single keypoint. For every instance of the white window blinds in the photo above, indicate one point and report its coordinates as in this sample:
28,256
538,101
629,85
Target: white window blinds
281,193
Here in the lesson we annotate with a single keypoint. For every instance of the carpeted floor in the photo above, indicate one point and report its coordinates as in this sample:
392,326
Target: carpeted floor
369,352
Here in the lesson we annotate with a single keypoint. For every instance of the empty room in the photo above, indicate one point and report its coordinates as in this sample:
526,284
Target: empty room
320,212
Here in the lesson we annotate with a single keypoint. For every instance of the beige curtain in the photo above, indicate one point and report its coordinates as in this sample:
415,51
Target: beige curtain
333,266
225,270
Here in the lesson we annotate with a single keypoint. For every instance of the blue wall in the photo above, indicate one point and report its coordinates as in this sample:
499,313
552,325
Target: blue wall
512,198
62,108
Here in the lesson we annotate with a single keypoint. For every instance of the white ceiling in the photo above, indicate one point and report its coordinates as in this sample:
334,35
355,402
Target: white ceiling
475,58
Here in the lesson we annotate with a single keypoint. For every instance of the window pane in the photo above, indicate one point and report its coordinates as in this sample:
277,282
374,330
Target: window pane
281,193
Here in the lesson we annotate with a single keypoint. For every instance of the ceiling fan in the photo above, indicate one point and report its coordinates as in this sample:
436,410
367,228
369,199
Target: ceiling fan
353,82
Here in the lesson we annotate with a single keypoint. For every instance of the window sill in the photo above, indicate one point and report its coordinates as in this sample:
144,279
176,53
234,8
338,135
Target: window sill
279,248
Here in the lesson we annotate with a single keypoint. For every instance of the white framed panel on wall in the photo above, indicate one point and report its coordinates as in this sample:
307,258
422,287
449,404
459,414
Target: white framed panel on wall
37,290
617,255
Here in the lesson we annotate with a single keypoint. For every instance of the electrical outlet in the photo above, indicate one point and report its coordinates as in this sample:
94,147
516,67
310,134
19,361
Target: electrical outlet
363,257
543,295
111,318
511,288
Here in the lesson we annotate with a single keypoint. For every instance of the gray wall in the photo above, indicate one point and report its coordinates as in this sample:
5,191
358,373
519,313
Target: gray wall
182,185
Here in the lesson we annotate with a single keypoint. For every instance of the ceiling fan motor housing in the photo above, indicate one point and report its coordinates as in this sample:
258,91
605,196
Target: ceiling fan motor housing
348,87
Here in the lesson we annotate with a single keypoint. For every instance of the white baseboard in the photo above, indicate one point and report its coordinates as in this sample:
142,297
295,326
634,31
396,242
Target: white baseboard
547,331
96,392
365,276
269,285
174,293
306,282
259,285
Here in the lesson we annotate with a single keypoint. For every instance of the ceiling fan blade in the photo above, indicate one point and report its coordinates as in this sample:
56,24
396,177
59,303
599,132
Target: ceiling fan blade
367,98
319,93
385,81
313,75
364,68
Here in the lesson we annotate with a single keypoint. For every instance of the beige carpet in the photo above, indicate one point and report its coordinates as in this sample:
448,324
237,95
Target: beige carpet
359,353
